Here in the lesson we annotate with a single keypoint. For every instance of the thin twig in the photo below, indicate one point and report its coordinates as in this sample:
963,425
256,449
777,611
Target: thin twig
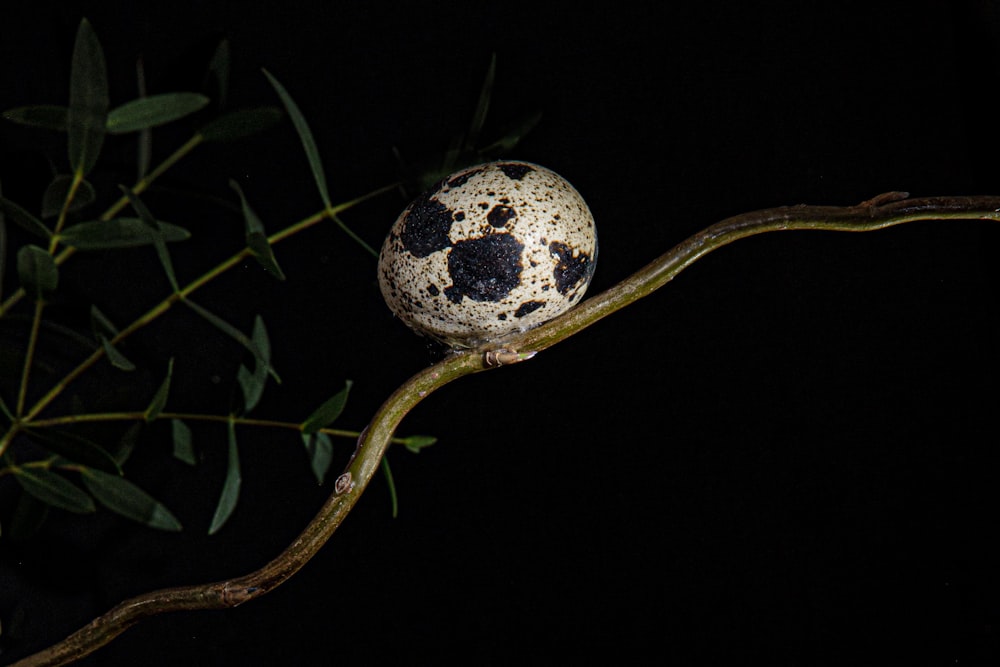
876,213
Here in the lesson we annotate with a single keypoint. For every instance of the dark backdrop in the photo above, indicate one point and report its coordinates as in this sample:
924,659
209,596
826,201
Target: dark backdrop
786,457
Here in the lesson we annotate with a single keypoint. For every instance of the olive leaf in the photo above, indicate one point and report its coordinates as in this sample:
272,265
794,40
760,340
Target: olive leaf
37,271
86,117
53,489
183,445
231,487
256,238
125,498
328,412
59,189
119,233
147,112
319,449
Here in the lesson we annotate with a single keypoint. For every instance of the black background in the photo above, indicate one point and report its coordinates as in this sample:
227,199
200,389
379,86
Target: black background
787,456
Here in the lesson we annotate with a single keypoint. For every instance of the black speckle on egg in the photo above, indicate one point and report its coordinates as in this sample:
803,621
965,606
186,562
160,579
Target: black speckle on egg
528,307
463,178
514,171
426,228
433,290
500,215
570,270
485,268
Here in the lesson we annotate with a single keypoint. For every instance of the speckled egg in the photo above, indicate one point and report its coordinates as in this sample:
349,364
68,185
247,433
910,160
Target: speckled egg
488,251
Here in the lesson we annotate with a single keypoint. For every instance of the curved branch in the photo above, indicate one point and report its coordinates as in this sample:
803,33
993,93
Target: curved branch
878,213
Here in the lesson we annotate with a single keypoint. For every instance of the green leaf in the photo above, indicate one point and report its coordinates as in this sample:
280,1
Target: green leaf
54,490
37,271
305,135
319,449
126,444
230,488
23,219
74,448
152,111
262,356
240,123
119,233
183,444
252,383
327,413
158,241
415,443
45,116
256,237
511,137
160,397
125,498
217,74
88,100
57,191
393,498
117,359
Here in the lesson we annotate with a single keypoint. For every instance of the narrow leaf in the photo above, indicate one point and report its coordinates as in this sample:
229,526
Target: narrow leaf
319,449
183,444
23,219
126,444
235,334
54,490
393,498
415,443
158,241
511,137
230,488
252,383
74,448
146,112
125,498
327,413
240,123
88,100
119,233
160,397
217,74
37,271
45,116
305,135
256,237
117,359
57,191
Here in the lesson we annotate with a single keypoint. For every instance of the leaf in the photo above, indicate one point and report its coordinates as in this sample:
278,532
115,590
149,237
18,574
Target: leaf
54,490
256,237
125,498
23,219
327,413
152,111
37,271
235,334
45,116
230,488
217,74
74,448
511,137
319,449
57,191
252,383
183,444
415,443
158,241
126,444
305,135
88,100
117,359
119,233
240,123
393,498
160,397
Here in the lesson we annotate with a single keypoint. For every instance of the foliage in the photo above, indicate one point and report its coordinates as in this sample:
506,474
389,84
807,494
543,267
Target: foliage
55,462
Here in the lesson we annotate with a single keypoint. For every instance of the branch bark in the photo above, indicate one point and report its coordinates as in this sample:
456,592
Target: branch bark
880,212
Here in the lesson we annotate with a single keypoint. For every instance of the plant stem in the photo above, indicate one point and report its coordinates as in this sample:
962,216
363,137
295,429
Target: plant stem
878,213
29,355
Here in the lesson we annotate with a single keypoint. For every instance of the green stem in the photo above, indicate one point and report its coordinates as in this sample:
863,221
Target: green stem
876,214
29,355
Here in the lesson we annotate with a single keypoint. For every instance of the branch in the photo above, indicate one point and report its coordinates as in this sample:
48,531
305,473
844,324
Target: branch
878,213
